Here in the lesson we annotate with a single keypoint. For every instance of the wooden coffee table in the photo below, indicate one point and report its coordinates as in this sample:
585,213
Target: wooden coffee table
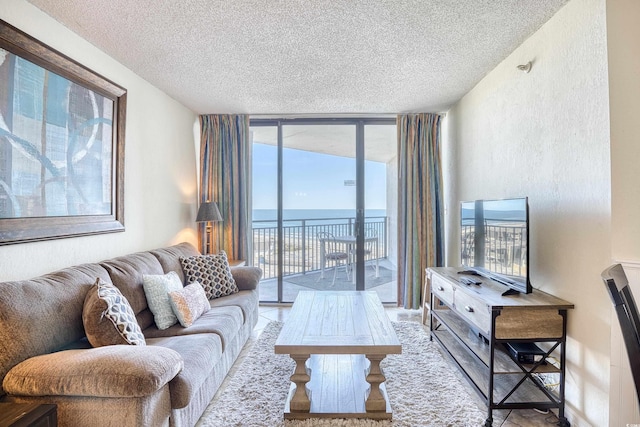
337,340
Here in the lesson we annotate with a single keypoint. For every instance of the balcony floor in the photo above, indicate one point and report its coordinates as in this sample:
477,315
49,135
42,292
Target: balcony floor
269,288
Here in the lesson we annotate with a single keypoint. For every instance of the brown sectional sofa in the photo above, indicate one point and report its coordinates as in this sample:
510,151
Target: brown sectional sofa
45,357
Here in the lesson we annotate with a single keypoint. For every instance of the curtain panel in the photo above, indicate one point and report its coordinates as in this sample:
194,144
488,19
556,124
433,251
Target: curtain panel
420,204
224,179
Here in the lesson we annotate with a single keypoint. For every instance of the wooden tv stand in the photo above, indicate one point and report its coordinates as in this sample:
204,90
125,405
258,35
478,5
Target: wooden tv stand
474,322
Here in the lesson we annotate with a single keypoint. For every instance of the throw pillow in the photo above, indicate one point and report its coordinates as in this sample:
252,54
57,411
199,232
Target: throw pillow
108,317
189,303
156,289
212,272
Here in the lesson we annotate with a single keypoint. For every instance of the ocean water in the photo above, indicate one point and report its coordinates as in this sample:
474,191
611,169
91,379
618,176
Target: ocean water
267,217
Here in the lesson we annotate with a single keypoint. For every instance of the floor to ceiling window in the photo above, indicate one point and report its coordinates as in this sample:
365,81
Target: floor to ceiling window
324,206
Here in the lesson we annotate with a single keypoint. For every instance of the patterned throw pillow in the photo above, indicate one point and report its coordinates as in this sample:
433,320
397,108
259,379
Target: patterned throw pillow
189,303
212,272
156,289
108,317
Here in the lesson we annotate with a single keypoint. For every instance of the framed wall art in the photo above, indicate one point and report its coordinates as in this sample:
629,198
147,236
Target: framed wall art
62,130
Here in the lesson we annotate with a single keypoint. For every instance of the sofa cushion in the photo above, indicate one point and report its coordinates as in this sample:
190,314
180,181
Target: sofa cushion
108,318
113,371
247,301
212,272
126,273
169,257
156,289
201,353
224,321
189,303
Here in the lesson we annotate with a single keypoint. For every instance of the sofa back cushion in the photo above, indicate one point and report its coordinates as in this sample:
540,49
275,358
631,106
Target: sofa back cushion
126,273
169,257
43,314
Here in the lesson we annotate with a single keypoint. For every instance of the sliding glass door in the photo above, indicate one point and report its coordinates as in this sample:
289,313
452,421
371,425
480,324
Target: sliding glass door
381,203
318,207
321,208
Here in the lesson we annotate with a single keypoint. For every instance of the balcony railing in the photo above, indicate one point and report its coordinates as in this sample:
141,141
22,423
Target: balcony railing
302,248
505,248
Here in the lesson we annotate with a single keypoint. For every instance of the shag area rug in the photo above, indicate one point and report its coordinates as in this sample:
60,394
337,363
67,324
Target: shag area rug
342,283
422,387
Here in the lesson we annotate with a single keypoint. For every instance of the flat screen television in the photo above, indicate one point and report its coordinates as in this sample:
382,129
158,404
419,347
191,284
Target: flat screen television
495,241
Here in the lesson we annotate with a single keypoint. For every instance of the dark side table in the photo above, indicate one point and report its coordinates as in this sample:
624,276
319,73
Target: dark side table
28,415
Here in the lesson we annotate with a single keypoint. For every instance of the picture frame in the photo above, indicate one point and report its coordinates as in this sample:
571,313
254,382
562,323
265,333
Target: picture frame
62,139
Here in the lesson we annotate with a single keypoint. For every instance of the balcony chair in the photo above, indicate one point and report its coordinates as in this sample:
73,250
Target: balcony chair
329,253
617,284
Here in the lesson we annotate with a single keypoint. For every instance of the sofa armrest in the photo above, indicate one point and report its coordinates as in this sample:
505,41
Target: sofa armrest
247,278
110,371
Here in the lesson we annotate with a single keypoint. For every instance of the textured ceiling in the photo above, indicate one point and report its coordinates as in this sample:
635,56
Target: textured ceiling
320,57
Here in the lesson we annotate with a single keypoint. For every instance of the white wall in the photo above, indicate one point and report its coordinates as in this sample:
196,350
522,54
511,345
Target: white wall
623,33
545,135
160,173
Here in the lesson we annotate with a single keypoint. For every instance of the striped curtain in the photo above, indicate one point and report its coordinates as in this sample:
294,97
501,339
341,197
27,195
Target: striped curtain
420,204
224,179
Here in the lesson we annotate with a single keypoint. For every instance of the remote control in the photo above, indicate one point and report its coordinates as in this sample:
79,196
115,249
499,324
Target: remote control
467,281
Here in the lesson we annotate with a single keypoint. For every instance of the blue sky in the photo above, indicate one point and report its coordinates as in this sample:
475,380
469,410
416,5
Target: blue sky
313,180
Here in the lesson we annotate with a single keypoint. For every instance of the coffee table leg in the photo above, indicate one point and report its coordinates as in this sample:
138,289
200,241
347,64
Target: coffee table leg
375,402
300,401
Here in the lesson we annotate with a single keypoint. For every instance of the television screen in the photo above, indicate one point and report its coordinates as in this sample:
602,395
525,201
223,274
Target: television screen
494,240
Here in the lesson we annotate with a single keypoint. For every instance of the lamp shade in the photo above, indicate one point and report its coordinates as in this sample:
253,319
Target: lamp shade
208,212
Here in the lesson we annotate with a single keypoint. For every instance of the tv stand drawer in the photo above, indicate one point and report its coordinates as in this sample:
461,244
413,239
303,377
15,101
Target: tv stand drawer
474,310
442,289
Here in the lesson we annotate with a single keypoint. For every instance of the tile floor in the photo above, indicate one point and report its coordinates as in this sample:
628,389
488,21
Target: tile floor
503,418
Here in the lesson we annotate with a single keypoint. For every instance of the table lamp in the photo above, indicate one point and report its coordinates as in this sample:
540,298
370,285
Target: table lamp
209,212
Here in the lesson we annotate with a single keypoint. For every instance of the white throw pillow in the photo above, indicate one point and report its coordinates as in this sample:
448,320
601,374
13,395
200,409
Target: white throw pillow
156,289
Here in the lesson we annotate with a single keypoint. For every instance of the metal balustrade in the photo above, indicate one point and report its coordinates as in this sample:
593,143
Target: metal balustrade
301,248
505,248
